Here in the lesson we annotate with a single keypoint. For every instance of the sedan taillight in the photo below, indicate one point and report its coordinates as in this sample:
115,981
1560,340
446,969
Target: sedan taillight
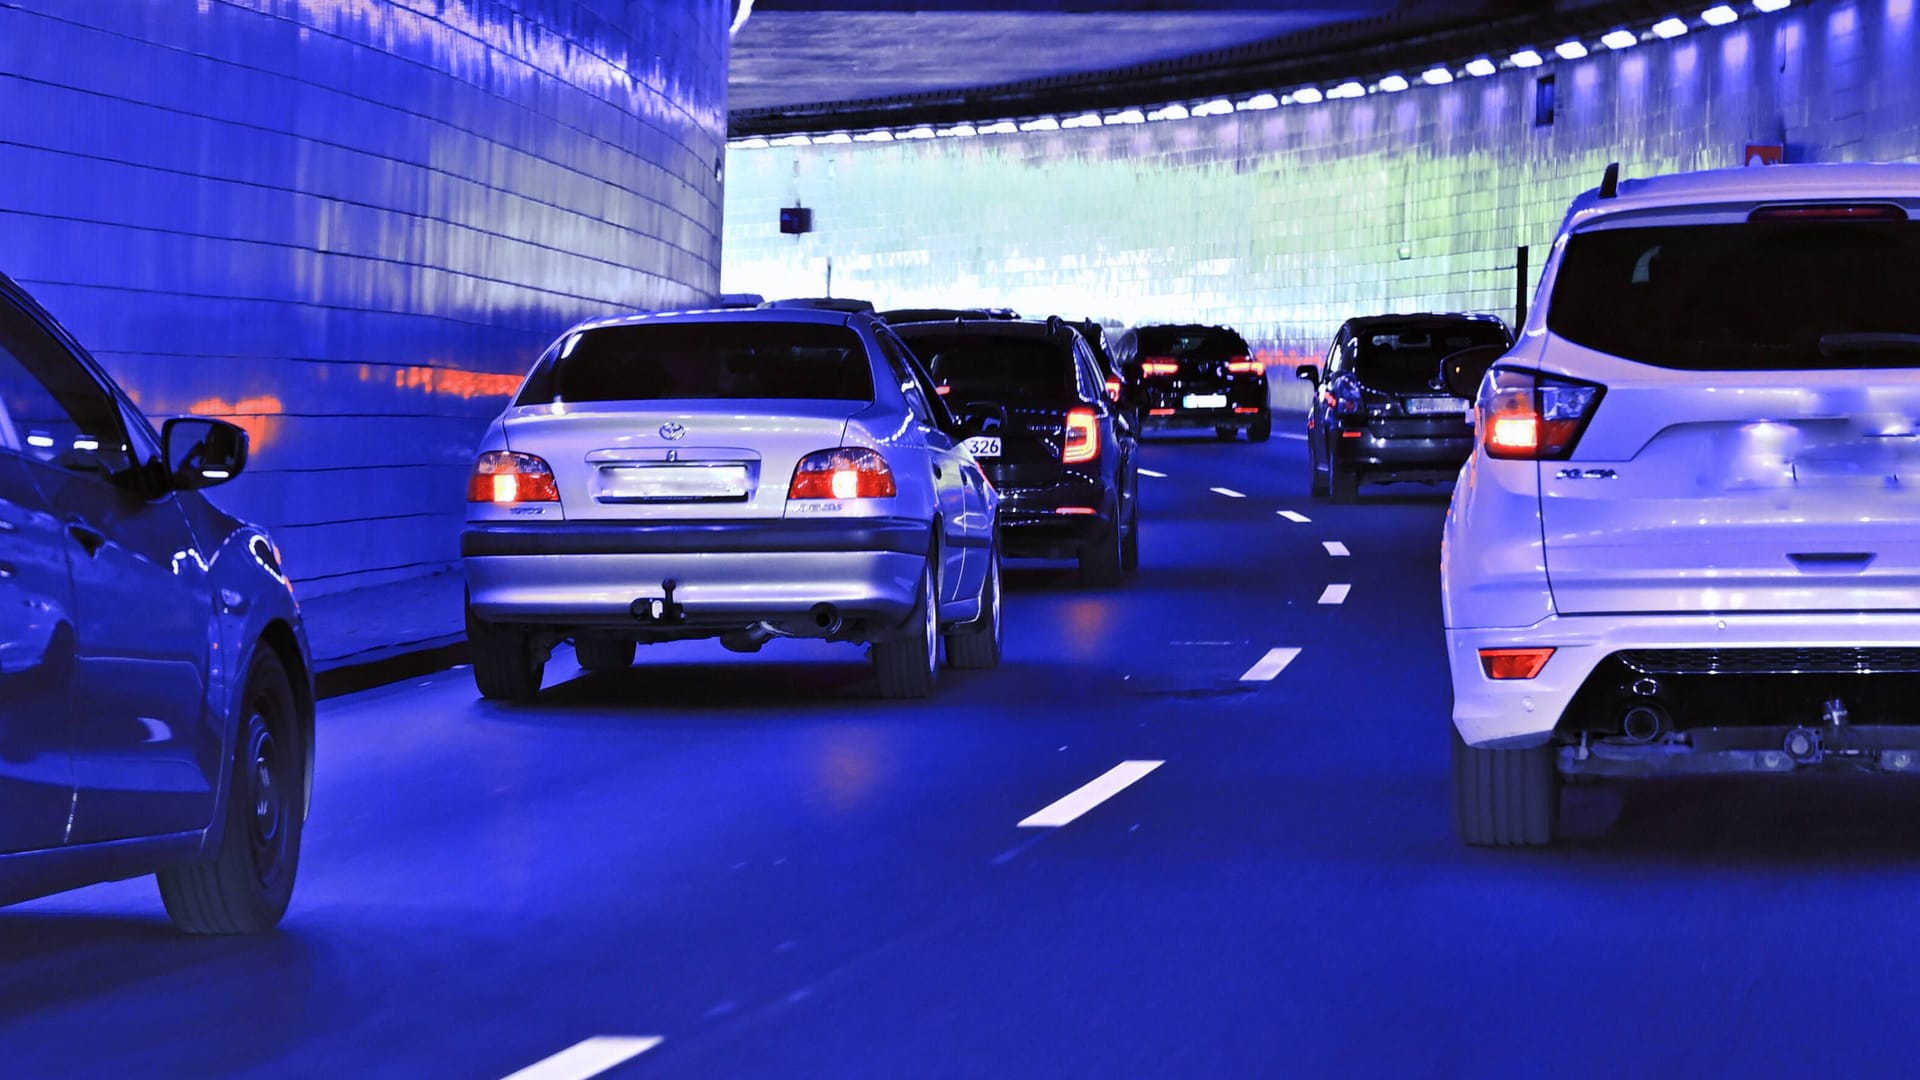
1243,365
1114,387
502,476
1527,416
1082,442
1160,365
847,472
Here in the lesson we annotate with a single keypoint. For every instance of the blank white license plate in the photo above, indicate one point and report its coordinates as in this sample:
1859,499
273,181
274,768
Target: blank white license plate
1206,401
1427,406
684,482
983,446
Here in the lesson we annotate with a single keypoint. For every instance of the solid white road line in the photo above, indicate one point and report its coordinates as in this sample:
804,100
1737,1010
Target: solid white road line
1104,787
1335,594
1228,492
1336,548
1155,475
589,1058
1289,435
1272,664
1295,516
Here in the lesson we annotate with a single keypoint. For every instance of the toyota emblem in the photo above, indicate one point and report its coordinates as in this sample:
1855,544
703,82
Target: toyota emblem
671,430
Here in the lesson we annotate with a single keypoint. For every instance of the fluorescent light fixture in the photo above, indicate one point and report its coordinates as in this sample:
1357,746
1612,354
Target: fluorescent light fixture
1393,84
42,441
834,139
1348,90
755,143
793,140
1436,76
1719,15
1216,107
1004,127
958,131
1570,50
1308,95
1084,120
1044,123
874,136
917,133
1259,102
1526,58
1771,5
1481,68
1170,112
1670,27
1621,39
1129,116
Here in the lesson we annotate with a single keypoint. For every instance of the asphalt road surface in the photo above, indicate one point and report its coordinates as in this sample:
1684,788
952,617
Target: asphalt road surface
758,864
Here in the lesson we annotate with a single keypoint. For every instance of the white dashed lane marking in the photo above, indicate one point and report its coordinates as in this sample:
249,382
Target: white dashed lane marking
1155,475
1335,594
1092,794
1295,516
588,1058
1228,492
1270,665
1336,548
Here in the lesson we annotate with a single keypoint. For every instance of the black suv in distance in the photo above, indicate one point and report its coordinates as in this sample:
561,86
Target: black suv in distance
1196,377
1063,457
1383,412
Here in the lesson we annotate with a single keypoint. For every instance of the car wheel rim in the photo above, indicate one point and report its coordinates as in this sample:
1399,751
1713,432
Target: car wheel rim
267,797
931,629
996,601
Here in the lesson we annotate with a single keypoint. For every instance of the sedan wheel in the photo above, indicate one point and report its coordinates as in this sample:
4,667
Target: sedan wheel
907,666
976,644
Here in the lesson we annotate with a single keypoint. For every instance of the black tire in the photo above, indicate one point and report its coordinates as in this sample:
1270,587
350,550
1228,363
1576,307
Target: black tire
1226,432
1130,546
600,653
1505,798
975,645
1343,484
508,664
1316,480
1103,562
1261,429
246,888
907,666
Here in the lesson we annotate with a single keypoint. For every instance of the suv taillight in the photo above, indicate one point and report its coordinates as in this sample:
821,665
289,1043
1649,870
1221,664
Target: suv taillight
1159,365
847,472
1114,387
502,476
1528,416
1082,442
1244,365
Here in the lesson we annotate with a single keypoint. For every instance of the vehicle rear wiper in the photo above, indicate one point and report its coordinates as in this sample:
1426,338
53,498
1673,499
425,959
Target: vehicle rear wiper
1833,346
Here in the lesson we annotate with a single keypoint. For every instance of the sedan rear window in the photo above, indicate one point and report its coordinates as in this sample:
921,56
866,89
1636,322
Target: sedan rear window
703,361
1406,358
1197,343
1764,296
1002,369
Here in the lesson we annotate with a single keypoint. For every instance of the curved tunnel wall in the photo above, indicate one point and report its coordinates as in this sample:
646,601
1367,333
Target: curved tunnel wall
1284,223
350,225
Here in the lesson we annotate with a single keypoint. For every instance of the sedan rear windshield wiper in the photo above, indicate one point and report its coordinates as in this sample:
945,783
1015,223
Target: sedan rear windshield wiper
1833,346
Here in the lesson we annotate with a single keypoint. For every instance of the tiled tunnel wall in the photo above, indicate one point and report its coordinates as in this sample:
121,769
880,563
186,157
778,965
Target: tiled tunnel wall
1285,222
350,225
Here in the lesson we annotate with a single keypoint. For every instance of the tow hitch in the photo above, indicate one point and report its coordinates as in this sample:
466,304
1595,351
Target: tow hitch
663,611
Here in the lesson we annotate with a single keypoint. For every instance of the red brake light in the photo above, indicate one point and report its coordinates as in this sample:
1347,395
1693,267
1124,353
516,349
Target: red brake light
1082,442
501,476
1160,365
1159,412
1532,417
1513,663
943,389
847,472
1114,386
1241,365
1830,212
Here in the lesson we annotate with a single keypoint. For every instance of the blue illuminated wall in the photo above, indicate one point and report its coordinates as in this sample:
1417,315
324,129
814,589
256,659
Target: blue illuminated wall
1285,222
350,225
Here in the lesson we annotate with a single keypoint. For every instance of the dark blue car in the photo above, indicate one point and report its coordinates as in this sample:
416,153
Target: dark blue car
156,702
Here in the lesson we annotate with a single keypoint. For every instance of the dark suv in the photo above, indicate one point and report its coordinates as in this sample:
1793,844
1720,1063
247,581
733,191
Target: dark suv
1195,377
1062,457
1383,412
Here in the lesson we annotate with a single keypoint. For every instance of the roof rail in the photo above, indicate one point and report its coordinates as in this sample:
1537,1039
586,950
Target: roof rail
1610,181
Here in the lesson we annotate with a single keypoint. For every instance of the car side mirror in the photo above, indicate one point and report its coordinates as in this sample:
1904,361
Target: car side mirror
202,452
982,418
1309,372
1463,370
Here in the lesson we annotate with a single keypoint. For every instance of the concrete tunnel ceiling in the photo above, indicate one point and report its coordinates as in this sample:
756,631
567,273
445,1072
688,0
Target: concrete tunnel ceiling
807,65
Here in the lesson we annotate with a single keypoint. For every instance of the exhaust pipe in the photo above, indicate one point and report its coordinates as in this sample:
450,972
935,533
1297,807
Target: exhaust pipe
1643,723
826,618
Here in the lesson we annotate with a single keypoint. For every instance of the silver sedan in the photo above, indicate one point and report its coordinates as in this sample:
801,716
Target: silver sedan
745,475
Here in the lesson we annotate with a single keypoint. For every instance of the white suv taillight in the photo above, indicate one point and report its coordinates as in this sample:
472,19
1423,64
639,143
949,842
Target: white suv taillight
502,476
1528,416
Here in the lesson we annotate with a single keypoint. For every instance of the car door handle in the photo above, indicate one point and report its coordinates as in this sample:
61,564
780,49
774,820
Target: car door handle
90,538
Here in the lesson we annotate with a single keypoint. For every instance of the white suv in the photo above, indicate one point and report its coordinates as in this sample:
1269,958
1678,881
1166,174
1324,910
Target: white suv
1688,539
